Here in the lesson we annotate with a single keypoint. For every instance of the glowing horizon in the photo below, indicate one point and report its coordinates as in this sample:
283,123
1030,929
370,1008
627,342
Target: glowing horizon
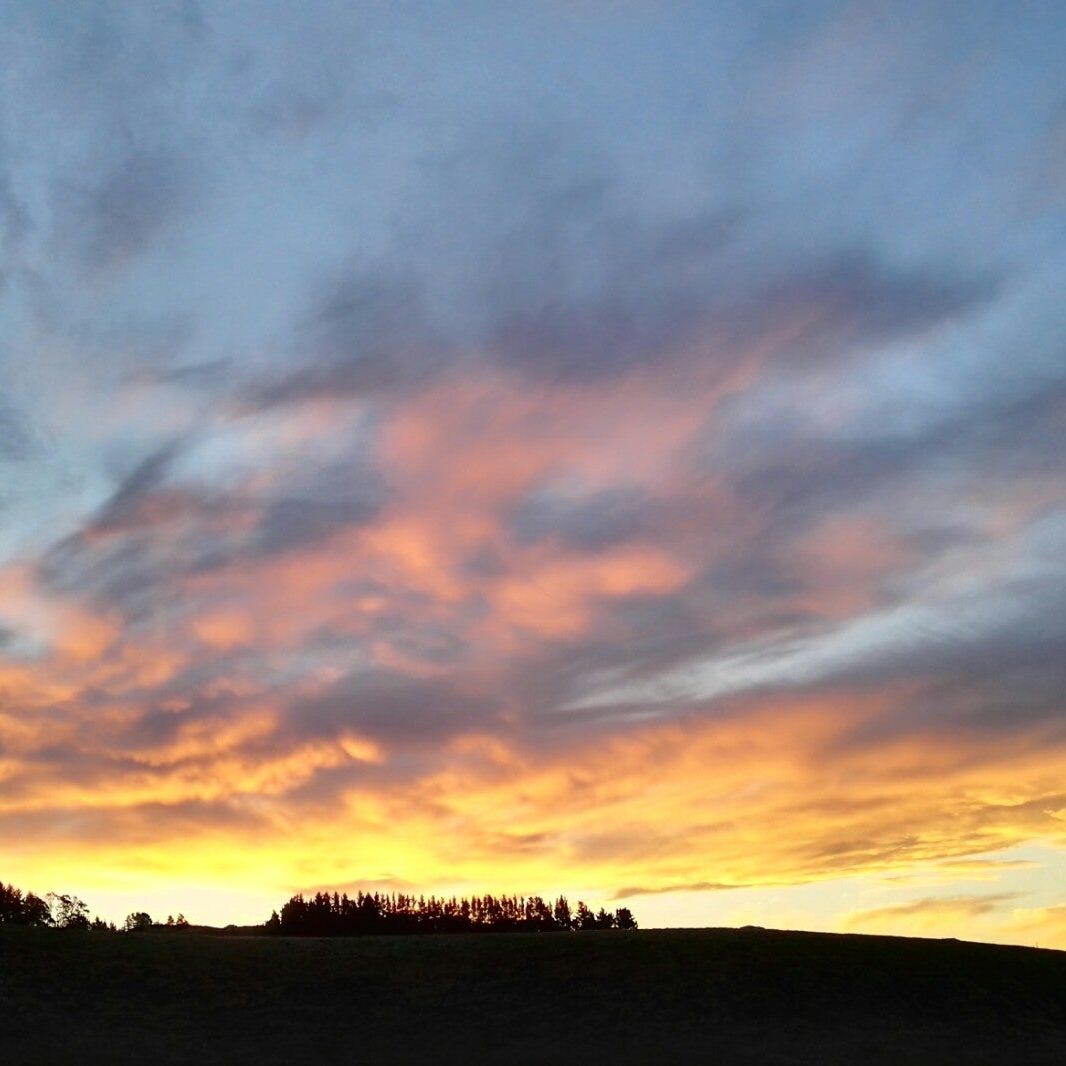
609,449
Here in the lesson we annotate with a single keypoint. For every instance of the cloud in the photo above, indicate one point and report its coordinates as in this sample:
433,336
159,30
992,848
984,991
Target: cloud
1048,923
14,218
956,870
661,300
145,478
132,204
955,912
391,707
289,523
791,474
16,435
589,522
330,500
365,333
694,886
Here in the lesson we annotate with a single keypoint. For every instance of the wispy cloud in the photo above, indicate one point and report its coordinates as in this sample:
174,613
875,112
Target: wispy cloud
921,915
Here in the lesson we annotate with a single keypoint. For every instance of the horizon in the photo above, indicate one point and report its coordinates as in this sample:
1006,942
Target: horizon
663,911
608,449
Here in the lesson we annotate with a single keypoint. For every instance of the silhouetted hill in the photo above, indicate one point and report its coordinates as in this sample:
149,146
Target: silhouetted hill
656,996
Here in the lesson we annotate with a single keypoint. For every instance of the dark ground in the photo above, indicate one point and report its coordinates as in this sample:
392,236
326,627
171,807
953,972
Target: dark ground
670,996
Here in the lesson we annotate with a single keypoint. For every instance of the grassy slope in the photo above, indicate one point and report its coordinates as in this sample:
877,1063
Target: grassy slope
652,996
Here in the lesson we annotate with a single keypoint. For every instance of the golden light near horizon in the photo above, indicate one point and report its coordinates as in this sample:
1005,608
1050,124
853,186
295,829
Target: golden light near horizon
506,464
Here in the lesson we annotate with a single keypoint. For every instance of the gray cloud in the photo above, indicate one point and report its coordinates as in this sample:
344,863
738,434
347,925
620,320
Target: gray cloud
586,522
979,666
791,477
393,708
565,281
652,312
365,333
295,522
133,203
580,284
331,499
17,439
158,526
14,218
145,478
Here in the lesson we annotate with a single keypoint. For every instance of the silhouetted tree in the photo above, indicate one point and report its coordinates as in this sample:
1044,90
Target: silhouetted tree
68,912
35,910
340,915
583,917
11,905
138,922
18,908
623,919
563,918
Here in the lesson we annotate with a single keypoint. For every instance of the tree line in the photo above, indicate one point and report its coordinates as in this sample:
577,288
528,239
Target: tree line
55,910
61,911
324,914
366,913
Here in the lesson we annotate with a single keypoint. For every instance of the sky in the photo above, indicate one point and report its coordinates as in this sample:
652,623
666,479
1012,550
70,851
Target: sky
606,448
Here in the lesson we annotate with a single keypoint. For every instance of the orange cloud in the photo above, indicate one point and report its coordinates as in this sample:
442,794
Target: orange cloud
920,916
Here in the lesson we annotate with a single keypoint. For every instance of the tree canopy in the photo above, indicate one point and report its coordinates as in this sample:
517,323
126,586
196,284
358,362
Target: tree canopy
324,914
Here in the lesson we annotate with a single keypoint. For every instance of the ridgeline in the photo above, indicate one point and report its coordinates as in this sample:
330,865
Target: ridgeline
658,996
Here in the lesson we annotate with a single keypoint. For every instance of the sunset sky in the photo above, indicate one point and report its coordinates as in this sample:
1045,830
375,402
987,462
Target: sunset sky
606,448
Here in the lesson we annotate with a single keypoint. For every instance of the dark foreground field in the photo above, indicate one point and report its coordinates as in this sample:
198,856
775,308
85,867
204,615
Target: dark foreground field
713,995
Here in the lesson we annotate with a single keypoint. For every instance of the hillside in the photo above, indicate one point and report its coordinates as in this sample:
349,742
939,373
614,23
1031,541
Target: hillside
745,996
